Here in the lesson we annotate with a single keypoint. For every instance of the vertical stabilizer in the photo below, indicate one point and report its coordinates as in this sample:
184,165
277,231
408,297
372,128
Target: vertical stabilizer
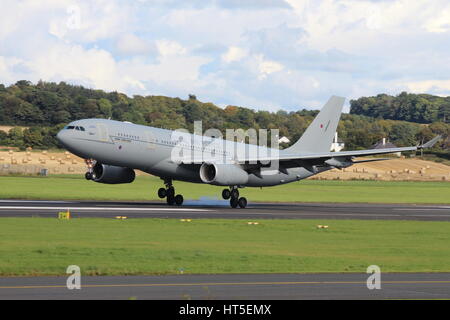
318,137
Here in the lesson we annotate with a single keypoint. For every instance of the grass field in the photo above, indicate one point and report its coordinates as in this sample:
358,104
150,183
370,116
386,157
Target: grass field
145,187
45,246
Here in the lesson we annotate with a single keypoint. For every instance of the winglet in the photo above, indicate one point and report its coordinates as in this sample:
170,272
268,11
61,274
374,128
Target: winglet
430,143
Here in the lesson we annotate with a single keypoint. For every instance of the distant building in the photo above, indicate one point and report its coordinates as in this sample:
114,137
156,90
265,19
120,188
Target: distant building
284,140
383,144
337,144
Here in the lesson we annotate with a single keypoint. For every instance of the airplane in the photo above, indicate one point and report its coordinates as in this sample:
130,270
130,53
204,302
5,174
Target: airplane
114,149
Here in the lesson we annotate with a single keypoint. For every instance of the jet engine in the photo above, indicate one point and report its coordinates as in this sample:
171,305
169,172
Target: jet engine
103,173
223,174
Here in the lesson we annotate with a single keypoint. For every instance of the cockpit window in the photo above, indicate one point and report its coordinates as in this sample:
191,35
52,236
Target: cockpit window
75,128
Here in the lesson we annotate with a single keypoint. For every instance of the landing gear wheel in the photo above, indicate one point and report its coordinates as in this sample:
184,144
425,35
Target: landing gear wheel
235,194
242,202
170,200
171,192
178,199
234,202
162,193
226,194
88,176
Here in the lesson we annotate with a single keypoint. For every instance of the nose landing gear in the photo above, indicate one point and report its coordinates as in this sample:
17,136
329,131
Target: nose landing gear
89,175
233,195
169,194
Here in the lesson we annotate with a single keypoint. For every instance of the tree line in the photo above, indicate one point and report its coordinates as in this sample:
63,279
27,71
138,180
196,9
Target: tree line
420,108
44,108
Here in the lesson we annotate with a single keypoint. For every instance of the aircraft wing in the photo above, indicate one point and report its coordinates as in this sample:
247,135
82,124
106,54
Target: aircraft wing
295,159
345,154
281,157
358,153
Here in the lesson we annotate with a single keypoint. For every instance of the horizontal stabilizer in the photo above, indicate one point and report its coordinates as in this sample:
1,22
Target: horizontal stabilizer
431,143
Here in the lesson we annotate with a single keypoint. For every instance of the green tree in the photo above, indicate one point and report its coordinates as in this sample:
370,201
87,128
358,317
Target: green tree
32,137
15,137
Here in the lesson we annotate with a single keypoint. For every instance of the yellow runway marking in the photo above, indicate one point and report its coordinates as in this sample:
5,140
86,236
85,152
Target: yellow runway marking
221,284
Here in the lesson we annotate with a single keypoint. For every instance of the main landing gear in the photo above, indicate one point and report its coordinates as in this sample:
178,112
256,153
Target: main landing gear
169,194
233,195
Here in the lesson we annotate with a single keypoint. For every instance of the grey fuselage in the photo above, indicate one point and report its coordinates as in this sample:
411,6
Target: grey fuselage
150,150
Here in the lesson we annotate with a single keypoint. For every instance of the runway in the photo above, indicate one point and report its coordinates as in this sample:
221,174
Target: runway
211,208
233,287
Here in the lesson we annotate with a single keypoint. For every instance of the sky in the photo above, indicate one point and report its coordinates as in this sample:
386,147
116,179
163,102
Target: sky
261,54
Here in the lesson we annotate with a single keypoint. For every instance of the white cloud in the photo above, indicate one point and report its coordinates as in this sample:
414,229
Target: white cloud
438,87
170,48
262,54
89,21
441,22
267,67
234,54
93,67
130,44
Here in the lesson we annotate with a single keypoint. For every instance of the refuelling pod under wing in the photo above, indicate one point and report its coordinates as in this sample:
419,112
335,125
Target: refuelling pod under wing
103,173
223,174
339,162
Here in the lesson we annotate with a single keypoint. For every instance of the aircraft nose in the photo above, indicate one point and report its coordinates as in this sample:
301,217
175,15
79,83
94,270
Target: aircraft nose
61,136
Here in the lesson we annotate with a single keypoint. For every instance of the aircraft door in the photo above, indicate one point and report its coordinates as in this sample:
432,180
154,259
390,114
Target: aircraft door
150,140
102,132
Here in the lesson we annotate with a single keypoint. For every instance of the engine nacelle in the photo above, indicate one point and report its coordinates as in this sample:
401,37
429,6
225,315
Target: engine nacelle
103,173
223,174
